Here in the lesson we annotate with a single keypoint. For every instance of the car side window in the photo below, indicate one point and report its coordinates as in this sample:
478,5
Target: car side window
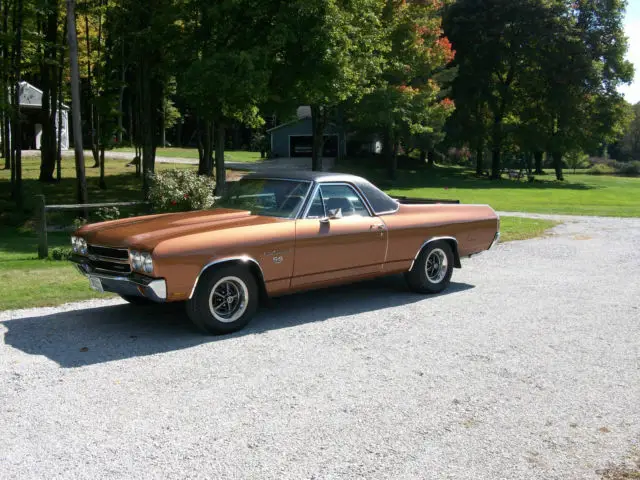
317,207
334,196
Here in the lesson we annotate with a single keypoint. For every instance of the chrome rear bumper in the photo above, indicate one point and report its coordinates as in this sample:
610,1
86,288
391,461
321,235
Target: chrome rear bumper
495,240
131,284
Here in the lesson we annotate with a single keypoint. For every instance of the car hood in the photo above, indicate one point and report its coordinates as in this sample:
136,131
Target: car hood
147,231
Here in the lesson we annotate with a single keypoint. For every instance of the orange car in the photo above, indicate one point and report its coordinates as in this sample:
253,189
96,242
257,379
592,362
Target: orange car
274,234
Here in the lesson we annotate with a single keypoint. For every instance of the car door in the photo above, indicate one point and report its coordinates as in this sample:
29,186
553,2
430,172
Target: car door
328,250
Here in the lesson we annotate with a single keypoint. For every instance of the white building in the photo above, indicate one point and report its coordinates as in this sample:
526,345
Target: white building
30,111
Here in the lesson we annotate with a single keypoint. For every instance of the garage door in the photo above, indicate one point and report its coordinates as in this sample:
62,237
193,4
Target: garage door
300,146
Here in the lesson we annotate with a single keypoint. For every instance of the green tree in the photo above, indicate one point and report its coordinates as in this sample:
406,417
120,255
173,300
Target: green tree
582,65
631,140
145,42
325,52
406,103
227,75
495,42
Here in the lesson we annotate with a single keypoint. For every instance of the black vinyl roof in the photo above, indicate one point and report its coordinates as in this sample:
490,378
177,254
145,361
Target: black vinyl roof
307,175
380,202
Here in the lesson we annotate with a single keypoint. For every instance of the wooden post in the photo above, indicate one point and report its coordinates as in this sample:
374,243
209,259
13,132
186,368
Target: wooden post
43,247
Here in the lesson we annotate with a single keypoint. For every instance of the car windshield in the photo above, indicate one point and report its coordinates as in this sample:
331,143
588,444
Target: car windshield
270,197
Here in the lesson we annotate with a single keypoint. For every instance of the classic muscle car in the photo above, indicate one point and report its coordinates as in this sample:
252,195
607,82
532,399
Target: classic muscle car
274,234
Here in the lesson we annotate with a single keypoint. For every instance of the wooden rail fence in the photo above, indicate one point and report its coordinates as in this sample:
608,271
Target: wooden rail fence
41,217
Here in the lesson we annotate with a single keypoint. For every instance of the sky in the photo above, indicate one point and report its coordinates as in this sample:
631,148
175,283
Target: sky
632,30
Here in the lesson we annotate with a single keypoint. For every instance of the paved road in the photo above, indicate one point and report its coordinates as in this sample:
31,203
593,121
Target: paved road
527,368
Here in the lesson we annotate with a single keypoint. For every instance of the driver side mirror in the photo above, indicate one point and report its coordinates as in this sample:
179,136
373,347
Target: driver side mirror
332,215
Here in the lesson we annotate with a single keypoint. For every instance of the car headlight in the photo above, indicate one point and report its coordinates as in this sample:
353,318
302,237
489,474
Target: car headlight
136,259
141,261
79,245
147,263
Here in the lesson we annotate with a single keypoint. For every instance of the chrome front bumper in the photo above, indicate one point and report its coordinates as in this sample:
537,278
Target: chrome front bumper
131,284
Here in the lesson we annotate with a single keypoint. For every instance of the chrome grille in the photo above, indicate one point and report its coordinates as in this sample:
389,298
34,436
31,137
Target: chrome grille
110,260
117,253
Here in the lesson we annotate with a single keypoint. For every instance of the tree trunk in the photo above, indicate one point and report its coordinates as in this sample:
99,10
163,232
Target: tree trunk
59,129
147,124
4,85
496,146
205,148
6,141
431,159
102,184
479,161
123,84
131,135
49,85
317,130
221,179
16,124
538,157
529,166
202,166
92,131
557,165
390,160
75,102
495,164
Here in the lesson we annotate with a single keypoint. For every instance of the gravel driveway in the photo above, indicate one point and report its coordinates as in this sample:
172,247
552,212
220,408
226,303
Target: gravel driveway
527,368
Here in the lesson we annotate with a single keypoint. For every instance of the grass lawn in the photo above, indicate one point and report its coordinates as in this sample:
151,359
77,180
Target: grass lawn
175,152
579,194
516,228
40,283
46,282
31,282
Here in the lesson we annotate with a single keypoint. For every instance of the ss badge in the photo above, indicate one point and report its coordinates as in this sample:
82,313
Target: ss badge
277,259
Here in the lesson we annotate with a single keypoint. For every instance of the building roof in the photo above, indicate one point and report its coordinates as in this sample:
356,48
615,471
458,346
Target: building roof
278,127
31,96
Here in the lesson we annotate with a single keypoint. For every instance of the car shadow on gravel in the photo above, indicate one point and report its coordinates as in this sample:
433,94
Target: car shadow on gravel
95,335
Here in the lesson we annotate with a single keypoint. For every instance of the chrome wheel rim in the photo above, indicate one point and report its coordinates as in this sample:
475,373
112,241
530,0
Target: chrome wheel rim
228,299
436,265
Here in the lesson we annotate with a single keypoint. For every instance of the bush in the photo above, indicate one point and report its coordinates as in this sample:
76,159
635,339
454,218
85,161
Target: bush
78,223
60,253
628,168
181,190
108,213
575,160
601,169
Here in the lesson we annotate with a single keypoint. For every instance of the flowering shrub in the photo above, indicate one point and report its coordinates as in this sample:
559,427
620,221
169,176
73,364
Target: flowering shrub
108,213
181,190
601,169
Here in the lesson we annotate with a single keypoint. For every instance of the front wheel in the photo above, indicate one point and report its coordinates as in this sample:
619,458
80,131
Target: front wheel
224,301
431,272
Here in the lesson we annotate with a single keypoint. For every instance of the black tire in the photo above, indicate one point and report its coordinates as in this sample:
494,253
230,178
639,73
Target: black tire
135,300
238,282
437,280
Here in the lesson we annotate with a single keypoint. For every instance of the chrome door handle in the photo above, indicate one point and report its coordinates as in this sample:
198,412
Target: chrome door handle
376,227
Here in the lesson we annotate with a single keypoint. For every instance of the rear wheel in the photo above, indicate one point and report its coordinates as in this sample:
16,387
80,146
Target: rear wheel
431,272
224,301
